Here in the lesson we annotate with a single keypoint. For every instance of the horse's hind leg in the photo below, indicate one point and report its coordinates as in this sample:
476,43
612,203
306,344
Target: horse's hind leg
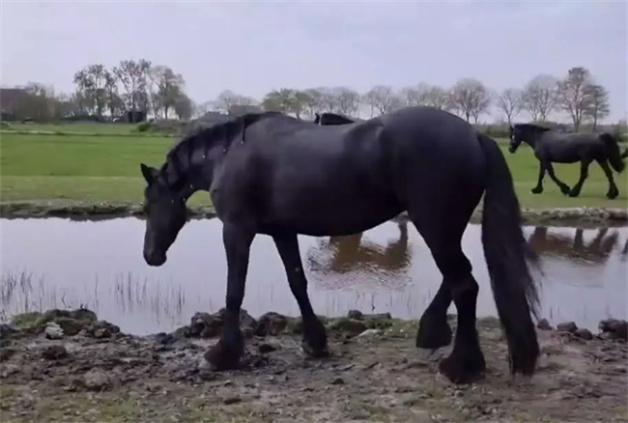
314,335
442,233
584,173
613,192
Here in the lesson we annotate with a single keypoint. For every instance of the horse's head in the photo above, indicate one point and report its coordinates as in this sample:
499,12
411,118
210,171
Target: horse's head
317,119
516,137
166,214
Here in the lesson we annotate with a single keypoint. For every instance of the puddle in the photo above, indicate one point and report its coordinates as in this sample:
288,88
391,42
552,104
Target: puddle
61,263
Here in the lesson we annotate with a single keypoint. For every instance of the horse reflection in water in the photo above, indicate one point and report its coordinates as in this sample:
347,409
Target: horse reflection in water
575,248
350,255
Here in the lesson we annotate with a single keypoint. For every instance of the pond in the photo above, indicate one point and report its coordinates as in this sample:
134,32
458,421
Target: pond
98,264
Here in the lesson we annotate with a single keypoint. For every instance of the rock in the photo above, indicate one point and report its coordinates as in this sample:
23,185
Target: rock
205,325
338,381
8,332
583,333
272,324
355,314
101,329
96,380
378,321
266,348
231,400
370,332
567,327
54,352
69,326
349,327
543,324
614,328
53,331
29,322
6,353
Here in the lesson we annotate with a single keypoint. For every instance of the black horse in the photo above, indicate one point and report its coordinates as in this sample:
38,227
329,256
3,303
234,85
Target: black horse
329,118
553,146
269,173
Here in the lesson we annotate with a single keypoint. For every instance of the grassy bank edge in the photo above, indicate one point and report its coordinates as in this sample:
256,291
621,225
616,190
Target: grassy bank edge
85,210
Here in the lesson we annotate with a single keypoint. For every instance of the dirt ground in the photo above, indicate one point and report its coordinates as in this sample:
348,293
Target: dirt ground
90,372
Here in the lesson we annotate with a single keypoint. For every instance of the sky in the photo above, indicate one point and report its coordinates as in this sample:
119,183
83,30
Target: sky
254,47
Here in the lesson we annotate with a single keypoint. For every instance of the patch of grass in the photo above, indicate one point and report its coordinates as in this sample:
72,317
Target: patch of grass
81,127
105,168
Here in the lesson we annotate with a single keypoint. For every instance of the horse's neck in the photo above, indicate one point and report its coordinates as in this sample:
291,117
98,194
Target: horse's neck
191,176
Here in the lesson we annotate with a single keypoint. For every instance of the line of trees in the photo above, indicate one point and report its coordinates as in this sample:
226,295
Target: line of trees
159,91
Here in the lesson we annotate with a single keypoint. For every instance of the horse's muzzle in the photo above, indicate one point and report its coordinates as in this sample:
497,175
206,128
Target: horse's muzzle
155,259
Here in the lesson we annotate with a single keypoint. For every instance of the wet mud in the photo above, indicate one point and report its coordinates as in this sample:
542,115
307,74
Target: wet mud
69,366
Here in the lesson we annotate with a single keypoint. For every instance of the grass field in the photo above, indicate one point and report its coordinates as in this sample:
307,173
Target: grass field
106,168
79,127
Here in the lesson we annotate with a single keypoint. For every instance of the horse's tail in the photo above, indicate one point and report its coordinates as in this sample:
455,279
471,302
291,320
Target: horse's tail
615,157
507,254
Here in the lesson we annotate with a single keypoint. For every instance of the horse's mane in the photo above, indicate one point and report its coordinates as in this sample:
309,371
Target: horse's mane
207,134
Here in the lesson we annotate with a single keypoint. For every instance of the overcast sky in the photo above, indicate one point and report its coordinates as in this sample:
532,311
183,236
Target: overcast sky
252,48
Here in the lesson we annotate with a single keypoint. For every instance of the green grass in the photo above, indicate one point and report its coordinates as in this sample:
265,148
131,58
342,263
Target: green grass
81,127
106,168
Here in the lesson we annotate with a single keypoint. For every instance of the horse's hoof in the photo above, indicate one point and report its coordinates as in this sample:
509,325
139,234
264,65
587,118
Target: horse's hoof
314,342
463,370
573,193
612,195
433,333
224,357
537,191
565,190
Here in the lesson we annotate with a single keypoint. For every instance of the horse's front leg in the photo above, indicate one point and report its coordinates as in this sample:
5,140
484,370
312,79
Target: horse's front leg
314,334
564,188
539,184
226,353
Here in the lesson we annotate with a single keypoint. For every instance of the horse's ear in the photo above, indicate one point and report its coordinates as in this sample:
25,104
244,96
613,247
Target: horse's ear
149,173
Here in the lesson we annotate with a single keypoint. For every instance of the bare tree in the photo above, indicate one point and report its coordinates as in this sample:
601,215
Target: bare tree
510,101
347,100
437,97
381,98
134,77
228,98
312,101
470,98
598,106
92,82
539,97
572,94
169,87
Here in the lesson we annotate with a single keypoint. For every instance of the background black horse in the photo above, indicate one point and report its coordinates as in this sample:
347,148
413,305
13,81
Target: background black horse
328,118
553,146
269,173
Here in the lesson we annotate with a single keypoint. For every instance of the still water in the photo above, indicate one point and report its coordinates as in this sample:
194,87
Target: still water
61,263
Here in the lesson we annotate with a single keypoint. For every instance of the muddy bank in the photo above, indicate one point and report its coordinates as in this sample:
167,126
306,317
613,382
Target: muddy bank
69,366
80,210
